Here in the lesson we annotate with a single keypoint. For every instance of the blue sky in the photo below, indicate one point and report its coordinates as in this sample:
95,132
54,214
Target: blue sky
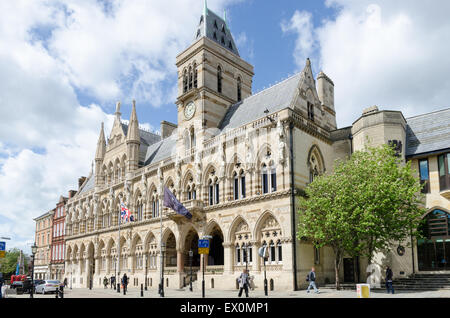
265,42
65,64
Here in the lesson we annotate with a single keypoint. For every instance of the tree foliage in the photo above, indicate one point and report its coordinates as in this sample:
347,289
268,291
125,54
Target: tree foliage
367,204
9,262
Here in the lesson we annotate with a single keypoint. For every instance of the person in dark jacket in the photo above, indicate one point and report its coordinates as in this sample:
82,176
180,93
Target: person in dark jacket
244,282
389,275
312,281
125,282
113,281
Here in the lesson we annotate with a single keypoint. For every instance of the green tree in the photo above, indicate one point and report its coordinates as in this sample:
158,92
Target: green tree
9,262
369,202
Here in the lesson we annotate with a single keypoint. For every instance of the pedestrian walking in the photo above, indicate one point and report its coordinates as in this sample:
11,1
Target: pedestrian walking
113,281
2,281
65,282
389,275
105,282
311,278
244,282
124,282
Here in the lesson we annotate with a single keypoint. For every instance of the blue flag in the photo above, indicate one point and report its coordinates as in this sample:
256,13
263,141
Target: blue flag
170,201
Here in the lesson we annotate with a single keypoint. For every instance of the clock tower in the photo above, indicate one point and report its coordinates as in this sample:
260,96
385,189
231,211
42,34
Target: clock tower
211,77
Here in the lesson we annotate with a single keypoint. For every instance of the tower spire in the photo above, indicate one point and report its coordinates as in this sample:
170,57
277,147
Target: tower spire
205,8
118,113
133,128
101,144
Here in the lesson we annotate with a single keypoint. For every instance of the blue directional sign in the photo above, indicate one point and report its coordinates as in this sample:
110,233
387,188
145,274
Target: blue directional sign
2,249
203,243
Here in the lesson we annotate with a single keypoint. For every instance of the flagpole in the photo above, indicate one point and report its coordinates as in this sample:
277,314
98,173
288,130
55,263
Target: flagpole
160,248
118,259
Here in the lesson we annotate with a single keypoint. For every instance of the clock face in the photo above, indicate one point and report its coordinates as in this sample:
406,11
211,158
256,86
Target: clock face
189,110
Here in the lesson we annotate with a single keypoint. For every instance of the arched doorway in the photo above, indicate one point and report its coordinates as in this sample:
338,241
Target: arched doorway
216,247
434,249
191,244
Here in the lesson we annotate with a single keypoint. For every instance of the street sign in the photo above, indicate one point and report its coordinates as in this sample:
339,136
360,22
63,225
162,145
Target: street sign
2,246
203,246
203,243
2,254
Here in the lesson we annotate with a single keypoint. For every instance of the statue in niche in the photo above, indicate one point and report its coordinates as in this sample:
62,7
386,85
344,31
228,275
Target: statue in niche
198,167
281,143
222,161
249,161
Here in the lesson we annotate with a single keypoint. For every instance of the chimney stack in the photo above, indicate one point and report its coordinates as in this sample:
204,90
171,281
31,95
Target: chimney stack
80,182
167,129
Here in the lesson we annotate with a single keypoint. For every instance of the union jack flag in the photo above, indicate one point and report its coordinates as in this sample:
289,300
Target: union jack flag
125,214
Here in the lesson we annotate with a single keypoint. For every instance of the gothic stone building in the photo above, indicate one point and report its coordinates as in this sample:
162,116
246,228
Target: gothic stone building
237,161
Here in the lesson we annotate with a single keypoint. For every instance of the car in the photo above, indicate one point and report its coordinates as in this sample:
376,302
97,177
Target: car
48,286
27,284
16,284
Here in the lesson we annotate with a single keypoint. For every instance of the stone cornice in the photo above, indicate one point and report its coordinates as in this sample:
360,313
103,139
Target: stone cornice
257,198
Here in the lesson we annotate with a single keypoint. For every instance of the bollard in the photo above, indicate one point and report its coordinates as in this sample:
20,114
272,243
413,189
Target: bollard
124,289
142,290
118,287
61,292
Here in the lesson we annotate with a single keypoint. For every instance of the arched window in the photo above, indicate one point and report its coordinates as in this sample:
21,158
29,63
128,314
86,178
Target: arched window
195,76
279,251
185,82
268,178
238,184
239,89
139,210
155,204
191,190
213,191
434,246
310,111
192,137
219,79
315,164
190,77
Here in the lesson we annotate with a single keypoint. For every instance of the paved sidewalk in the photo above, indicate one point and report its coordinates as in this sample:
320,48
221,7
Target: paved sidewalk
212,293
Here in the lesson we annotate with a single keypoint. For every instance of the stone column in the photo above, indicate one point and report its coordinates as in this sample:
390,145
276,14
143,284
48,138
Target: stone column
228,257
257,261
180,261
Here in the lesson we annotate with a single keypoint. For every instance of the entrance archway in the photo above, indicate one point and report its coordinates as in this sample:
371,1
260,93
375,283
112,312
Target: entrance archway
191,244
216,247
433,251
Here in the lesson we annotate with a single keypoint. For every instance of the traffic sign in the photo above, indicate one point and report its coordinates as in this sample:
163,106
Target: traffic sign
2,246
203,243
203,246
2,254
203,250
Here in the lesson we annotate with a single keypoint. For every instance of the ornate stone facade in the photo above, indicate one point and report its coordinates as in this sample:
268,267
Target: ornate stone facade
235,160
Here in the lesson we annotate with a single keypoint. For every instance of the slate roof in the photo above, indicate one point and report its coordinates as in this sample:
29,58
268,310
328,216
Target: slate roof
274,98
215,28
161,150
428,132
88,185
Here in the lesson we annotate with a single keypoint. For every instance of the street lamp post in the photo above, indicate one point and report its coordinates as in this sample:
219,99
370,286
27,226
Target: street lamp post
161,285
146,269
33,253
190,276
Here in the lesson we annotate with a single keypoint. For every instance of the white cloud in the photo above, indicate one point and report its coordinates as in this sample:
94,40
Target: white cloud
386,53
301,24
52,50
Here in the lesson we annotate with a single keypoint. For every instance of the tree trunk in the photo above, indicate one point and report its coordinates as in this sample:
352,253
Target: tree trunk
337,266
